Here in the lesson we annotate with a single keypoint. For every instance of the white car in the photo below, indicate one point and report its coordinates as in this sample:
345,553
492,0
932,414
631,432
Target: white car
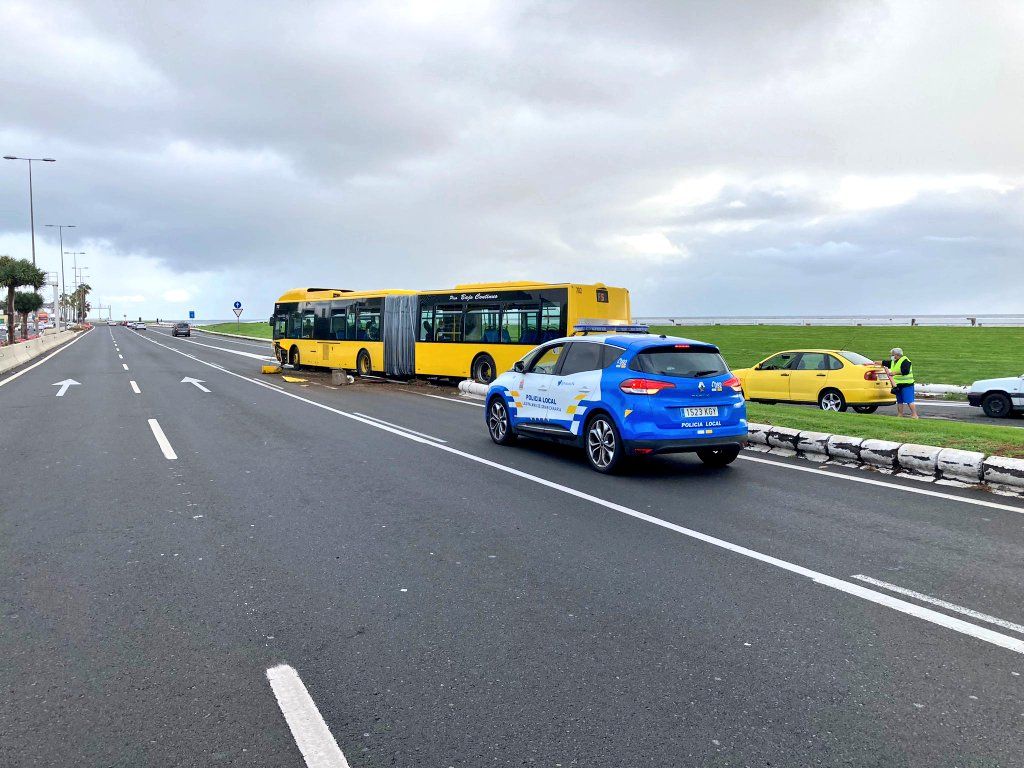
999,398
140,326
111,322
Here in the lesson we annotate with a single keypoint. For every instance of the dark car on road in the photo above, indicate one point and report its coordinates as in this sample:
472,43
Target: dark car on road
181,329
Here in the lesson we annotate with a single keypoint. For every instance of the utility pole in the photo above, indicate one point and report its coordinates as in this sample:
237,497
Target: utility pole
31,203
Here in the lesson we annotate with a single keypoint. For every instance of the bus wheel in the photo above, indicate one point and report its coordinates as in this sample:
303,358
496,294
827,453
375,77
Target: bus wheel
363,363
293,355
484,369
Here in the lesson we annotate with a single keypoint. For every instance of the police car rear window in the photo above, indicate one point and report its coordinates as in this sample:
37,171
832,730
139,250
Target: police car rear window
685,361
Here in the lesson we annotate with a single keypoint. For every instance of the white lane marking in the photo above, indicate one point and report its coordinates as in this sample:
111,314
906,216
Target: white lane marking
399,426
942,603
870,481
451,399
162,440
317,745
57,351
135,388
198,383
120,357
848,587
125,366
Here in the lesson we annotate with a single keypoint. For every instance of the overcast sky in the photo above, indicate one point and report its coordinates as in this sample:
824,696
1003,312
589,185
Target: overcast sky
714,158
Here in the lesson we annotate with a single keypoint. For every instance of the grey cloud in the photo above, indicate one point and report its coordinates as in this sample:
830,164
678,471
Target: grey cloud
362,144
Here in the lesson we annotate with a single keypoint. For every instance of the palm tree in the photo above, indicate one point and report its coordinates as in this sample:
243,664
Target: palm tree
80,305
26,302
15,273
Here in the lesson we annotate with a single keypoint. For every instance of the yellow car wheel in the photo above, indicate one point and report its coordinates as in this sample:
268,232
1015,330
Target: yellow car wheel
832,400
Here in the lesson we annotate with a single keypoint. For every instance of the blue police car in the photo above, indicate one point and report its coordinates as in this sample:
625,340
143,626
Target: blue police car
619,391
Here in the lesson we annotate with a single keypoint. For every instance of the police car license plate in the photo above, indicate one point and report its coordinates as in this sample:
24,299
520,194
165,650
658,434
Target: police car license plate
692,413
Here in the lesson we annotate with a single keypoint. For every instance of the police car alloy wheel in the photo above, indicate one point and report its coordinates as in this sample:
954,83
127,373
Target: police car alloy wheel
498,422
603,444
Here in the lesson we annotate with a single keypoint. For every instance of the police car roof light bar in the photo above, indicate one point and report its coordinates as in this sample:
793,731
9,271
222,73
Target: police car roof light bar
587,327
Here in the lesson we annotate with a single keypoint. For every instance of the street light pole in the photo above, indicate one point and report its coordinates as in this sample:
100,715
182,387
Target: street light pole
60,232
31,202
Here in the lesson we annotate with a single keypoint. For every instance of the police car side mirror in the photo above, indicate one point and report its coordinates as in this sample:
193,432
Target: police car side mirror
519,367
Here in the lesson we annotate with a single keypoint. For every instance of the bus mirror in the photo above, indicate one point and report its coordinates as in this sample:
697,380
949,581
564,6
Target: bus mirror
519,367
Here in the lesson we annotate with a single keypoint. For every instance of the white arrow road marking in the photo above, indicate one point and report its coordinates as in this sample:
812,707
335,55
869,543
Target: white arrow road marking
197,382
317,745
64,386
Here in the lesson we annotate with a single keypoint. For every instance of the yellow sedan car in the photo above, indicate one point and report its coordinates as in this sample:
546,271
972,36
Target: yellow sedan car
832,378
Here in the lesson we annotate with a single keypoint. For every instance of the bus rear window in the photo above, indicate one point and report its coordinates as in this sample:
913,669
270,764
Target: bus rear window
688,362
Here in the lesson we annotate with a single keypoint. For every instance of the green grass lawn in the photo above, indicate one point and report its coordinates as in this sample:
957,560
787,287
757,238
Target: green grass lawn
940,355
998,441
261,330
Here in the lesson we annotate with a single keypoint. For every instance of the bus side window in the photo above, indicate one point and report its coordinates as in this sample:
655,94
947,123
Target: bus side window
295,325
519,325
307,324
337,330
351,328
482,324
426,323
322,322
550,321
448,322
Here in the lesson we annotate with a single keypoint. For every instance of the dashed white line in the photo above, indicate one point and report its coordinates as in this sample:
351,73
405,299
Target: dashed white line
125,366
841,585
162,441
399,426
942,603
120,357
317,745
135,388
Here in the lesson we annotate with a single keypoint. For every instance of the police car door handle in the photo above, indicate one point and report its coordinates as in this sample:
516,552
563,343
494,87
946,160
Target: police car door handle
784,374
819,374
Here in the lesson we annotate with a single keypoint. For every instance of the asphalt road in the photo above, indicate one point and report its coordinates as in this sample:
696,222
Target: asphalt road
448,602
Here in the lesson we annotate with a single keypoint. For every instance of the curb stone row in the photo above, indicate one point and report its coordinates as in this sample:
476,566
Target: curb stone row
925,462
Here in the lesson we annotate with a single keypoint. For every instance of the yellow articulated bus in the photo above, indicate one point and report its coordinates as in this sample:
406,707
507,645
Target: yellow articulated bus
476,330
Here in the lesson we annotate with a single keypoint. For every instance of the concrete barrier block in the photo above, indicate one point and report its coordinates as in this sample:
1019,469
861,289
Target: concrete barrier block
844,448
758,433
879,453
966,466
475,388
918,459
783,437
814,444
1004,472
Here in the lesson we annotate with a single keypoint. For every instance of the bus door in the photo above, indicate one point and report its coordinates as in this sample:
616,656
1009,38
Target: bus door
401,314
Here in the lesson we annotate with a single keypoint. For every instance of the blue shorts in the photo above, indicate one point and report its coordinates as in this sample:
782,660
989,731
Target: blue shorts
905,394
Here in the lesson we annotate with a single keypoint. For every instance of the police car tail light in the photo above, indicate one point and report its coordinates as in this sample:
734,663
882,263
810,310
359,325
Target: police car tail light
644,386
733,383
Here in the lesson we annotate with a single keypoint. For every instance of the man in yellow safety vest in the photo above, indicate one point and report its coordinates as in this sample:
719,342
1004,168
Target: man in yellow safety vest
902,372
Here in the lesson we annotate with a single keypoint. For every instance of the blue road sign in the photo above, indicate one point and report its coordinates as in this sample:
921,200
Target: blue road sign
238,305
191,314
